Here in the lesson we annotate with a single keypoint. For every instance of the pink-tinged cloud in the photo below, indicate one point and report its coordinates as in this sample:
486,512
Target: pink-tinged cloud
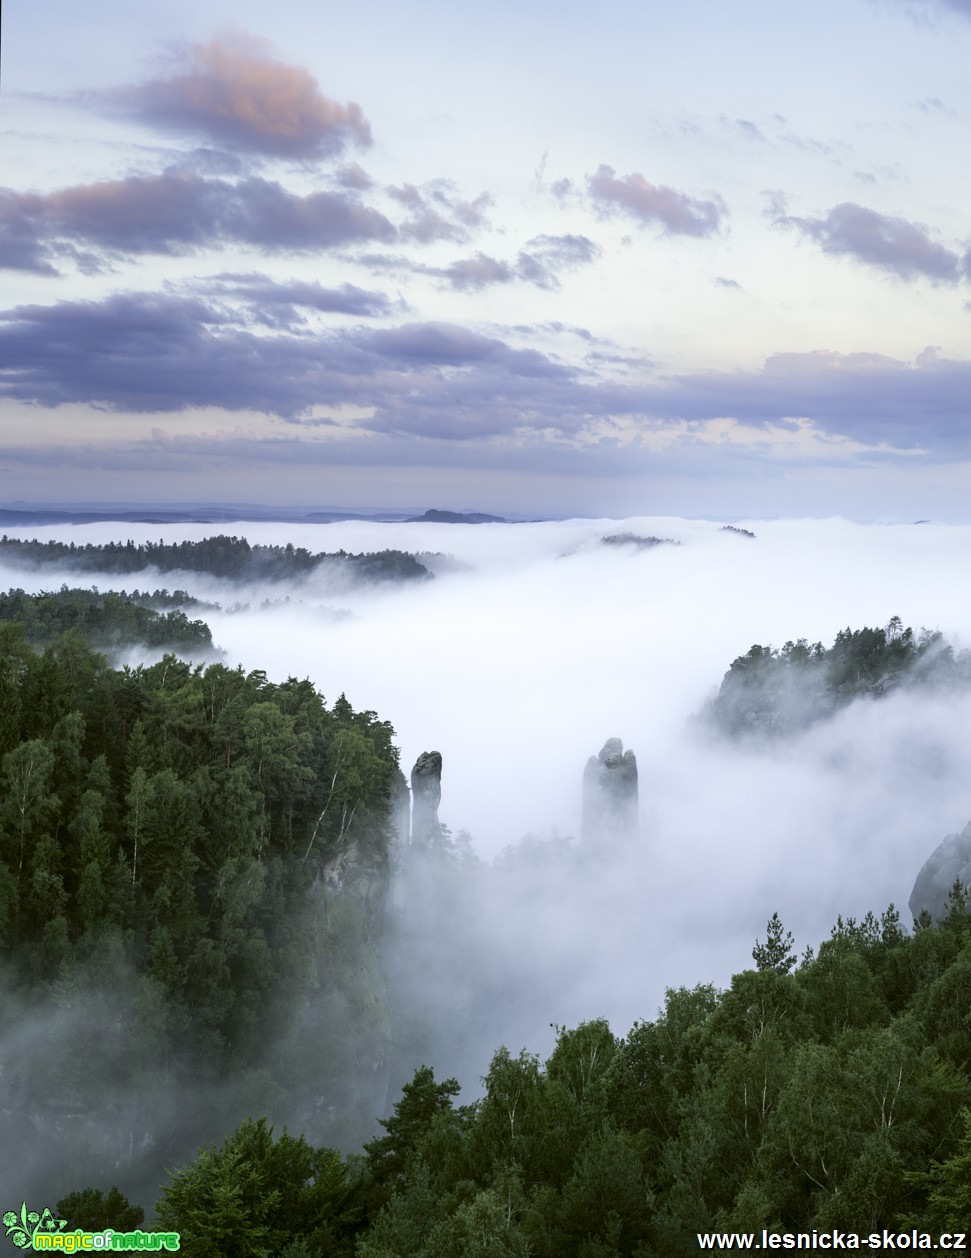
677,213
884,241
237,95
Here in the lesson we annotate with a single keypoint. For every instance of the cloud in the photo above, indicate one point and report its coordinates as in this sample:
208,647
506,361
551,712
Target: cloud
469,274
174,352
233,92
354,176
954,6
749,129
435,212
538,263
873,398
544,256
448,344
176,212
167,353
276,303
678,214
889,243
21,247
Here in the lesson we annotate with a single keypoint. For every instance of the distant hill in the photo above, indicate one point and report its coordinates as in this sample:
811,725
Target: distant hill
456,517
26,516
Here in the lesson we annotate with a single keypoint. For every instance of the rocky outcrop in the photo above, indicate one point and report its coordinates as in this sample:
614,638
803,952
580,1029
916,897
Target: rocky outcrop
426,795
610,802
949,861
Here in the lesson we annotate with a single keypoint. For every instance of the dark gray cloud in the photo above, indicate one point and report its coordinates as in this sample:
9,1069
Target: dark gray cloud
233,92
168,353
265,214
449,345
176,212
870,397
677,213
890,243
21,245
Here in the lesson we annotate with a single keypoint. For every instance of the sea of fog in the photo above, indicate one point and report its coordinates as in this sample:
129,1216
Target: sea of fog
536,642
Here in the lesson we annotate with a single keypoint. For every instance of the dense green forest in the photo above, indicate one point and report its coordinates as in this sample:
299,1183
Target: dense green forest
193,866
108,621
827,1092
194,874
771,691
232,558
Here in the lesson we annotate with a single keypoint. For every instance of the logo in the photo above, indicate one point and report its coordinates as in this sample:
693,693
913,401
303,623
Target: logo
30,1230
22,1227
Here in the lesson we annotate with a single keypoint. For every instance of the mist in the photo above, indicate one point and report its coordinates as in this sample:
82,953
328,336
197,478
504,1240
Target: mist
532,645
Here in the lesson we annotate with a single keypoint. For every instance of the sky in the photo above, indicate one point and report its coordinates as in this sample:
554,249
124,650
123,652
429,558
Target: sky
695,259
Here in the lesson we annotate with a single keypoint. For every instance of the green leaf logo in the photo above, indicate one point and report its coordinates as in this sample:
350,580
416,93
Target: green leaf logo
21,1227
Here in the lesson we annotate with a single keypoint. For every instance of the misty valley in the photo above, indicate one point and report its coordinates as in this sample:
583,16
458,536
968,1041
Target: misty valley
329,930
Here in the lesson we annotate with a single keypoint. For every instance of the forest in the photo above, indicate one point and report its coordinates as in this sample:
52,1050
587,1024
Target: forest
109,621
197,879
770,692
232,558
827,1091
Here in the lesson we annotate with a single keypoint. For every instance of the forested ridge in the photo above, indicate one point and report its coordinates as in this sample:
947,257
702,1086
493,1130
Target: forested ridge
232,558
193,865
777,691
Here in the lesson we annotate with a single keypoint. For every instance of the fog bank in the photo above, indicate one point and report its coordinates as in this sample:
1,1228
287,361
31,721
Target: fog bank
536,642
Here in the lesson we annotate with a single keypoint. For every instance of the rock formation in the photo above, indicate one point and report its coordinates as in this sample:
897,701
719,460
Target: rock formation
950,860
426,795
610,804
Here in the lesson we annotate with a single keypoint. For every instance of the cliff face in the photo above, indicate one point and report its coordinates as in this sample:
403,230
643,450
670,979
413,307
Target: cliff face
949,861
610,795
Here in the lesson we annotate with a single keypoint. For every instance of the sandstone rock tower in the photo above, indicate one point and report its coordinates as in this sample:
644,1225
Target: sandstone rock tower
426,795
610,803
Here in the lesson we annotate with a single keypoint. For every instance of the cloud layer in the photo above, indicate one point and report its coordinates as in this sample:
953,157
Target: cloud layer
246,343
